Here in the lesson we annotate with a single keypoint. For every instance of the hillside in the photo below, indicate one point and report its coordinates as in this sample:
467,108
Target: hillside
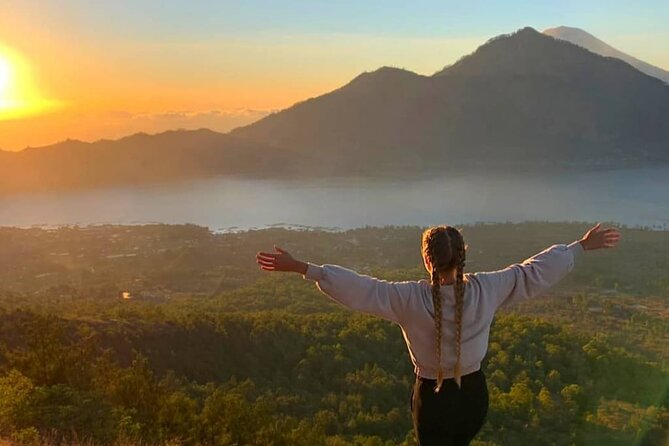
588,41
211,351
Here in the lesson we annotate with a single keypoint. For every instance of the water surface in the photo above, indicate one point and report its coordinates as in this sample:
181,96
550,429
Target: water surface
635,197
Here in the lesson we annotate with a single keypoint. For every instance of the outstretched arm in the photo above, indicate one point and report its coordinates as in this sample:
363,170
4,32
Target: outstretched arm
536,274
388,300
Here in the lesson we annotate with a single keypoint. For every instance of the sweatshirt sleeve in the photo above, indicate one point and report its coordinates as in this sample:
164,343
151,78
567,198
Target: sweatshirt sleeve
388,300
521,281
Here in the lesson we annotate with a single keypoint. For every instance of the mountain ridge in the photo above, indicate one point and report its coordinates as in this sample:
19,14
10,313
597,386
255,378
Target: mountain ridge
521,100
491,102
139,158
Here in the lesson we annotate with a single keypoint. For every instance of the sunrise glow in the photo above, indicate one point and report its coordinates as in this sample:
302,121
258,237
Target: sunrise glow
5,80
97,70
19,96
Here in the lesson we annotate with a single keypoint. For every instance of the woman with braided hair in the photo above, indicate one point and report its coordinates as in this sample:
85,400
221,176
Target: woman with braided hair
445,320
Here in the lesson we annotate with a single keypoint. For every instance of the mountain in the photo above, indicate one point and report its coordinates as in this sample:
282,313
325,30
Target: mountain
520,99
139,159
580,37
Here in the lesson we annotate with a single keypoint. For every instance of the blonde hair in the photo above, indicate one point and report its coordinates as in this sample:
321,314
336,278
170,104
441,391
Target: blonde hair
445,248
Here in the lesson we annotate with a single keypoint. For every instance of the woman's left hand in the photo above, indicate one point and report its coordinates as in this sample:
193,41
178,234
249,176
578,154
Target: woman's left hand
280,260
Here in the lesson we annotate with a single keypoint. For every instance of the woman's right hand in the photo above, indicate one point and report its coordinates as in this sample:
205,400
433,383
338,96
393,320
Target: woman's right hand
280,260
597,238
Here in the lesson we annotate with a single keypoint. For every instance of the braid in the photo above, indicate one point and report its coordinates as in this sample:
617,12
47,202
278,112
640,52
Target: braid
459,250
444,247
436,301
437,247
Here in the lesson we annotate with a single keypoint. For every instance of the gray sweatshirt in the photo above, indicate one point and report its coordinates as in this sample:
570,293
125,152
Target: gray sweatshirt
409,304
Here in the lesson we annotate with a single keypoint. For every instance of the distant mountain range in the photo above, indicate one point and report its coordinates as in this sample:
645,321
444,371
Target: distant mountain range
582,38
522,100
139,159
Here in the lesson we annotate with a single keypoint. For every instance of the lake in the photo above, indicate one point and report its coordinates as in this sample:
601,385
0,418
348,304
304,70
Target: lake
634,197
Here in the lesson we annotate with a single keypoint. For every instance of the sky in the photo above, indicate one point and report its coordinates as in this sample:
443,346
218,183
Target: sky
98,69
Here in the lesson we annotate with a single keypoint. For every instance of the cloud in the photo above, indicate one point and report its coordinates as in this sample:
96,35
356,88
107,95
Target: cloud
219,120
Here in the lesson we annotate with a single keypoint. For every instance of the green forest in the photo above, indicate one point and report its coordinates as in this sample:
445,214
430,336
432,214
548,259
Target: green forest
171,335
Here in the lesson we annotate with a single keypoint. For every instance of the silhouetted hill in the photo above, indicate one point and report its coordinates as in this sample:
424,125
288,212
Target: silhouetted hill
137,159
520,99
582,38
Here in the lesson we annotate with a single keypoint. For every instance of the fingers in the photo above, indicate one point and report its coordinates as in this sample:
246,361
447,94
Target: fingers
260,259
611,236
606,236
265,262
274,261
266,265
610,239
266,259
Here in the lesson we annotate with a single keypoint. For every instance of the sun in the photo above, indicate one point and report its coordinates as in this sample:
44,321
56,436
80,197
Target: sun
12,102
5,78
19,95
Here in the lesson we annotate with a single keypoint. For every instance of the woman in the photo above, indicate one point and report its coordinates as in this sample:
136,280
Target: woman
446,320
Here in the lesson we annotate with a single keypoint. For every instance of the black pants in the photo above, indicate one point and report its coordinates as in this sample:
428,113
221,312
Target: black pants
453,416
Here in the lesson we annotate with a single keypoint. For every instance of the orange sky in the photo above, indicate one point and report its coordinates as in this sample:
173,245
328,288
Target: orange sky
105,73
125,87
